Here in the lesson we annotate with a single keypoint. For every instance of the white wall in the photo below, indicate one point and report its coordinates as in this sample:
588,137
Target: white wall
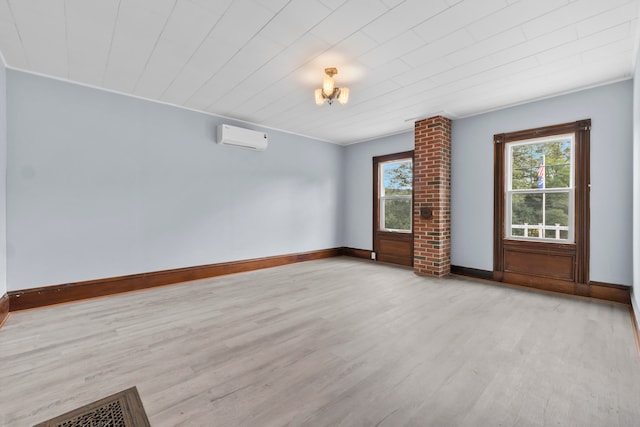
3,177
358,203
102,185
636,191
610,109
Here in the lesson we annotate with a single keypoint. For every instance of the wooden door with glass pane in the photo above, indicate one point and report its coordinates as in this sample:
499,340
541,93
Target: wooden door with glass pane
541,210
393,208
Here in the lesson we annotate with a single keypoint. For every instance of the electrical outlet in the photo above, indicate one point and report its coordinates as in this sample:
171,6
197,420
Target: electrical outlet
373,256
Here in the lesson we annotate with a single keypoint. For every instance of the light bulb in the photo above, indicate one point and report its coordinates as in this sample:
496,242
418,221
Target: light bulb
343,97
327,86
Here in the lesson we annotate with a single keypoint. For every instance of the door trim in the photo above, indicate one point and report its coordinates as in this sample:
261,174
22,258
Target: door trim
402,237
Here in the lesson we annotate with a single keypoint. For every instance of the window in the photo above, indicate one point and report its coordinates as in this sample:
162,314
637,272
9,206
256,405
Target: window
396,179
540,187
541,207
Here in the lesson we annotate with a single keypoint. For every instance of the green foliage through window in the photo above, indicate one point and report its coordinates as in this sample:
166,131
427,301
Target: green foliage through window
554,156
395,197
541,188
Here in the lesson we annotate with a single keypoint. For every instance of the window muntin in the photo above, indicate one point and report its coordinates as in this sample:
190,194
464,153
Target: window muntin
540,189
396,188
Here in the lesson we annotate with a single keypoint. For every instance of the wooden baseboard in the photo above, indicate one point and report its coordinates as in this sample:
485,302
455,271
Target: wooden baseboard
610,292
597,290
472,272
4,309
366,254
357,253
543,283
49,295
40,297
634,311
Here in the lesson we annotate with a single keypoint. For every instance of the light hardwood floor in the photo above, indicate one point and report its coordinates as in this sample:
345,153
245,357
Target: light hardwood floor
324,343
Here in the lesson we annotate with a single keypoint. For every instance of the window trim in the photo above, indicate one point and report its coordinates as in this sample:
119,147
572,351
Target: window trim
580,246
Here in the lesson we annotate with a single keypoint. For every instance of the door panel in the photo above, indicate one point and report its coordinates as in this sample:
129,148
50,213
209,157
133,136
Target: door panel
540,259
392,190
389,244
394,248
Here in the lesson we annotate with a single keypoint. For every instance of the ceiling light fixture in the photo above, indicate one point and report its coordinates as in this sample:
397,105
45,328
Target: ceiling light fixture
329,91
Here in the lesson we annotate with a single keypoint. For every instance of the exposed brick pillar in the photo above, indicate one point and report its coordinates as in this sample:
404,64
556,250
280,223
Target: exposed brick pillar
432,195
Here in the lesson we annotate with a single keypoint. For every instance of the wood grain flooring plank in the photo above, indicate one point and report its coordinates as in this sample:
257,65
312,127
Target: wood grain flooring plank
331,342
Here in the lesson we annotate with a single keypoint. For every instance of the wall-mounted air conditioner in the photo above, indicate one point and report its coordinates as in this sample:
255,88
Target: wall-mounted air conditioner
240,137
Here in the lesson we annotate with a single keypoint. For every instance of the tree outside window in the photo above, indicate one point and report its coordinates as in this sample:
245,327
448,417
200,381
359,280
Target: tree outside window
396,195
540,189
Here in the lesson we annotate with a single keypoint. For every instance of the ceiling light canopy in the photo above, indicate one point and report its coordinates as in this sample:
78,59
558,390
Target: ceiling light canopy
329,91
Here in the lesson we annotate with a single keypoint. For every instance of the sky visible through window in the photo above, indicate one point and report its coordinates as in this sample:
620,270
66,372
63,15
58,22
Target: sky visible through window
398,176
541,165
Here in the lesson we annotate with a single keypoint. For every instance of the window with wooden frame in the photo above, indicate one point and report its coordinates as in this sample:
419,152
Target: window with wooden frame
395,198
540,188
541,207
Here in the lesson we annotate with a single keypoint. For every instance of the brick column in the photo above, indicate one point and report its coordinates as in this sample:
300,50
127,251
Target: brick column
432,196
